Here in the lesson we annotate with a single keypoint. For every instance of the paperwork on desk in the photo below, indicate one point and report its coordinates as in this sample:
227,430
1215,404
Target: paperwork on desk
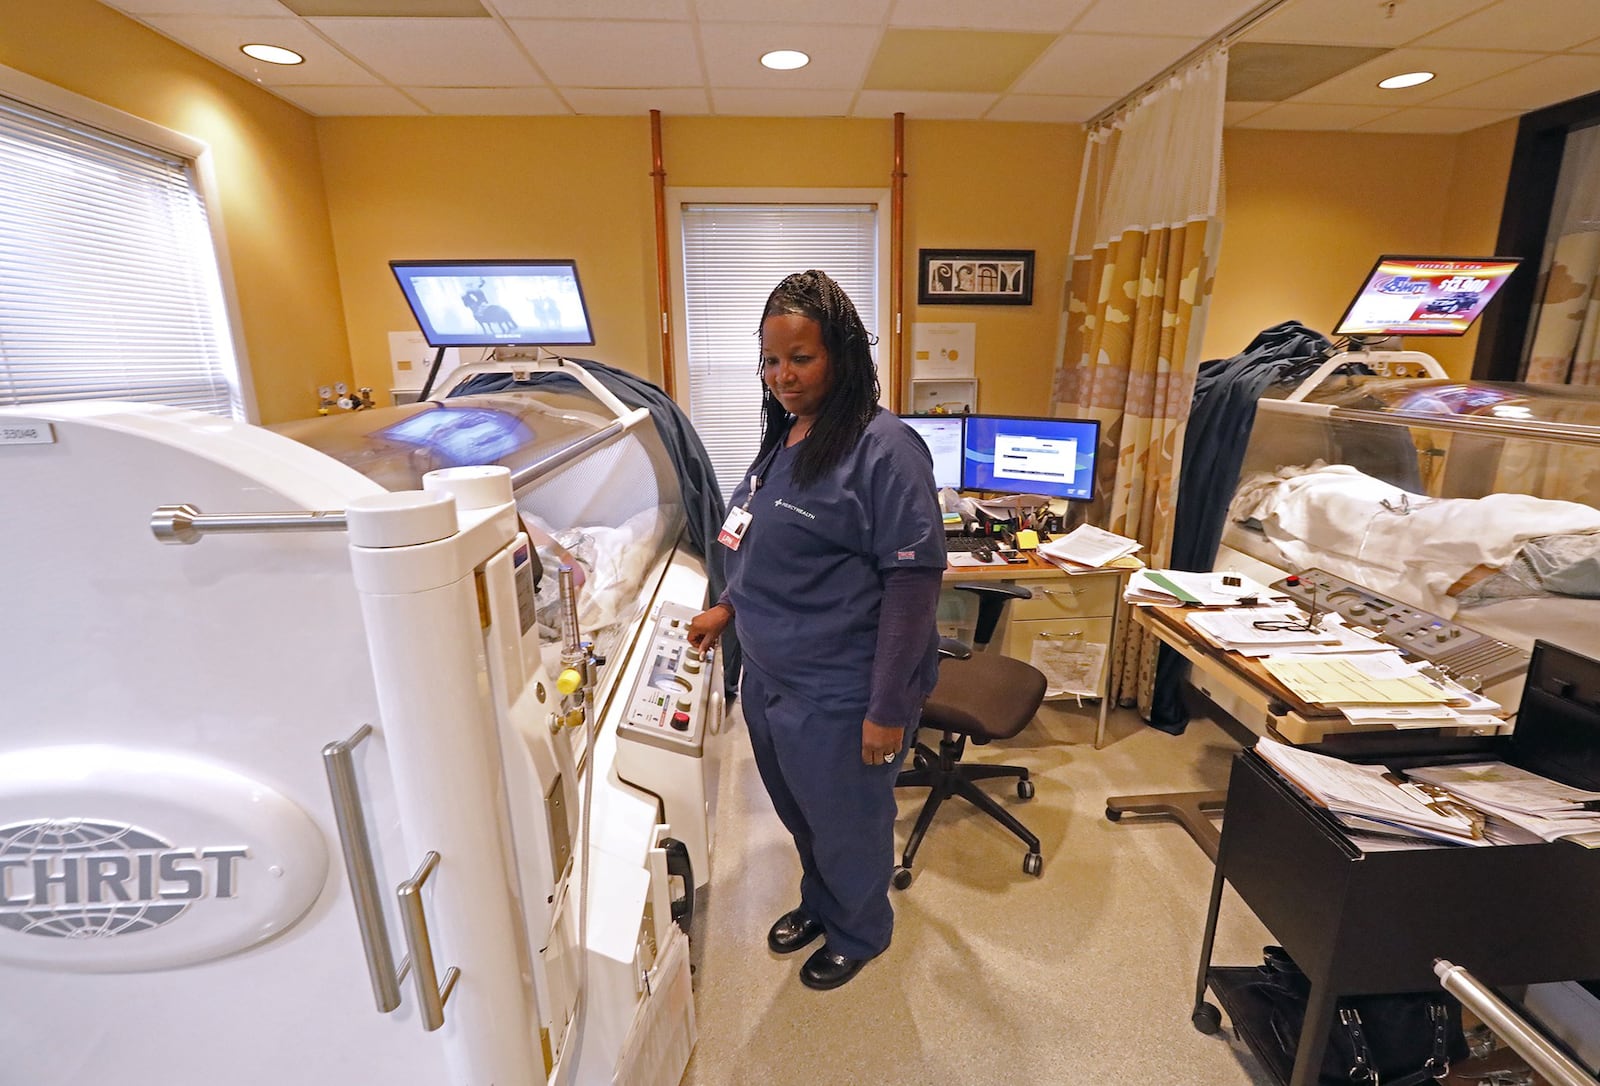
1176,588
1089,547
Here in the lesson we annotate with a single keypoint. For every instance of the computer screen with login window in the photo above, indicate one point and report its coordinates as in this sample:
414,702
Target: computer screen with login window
1011,454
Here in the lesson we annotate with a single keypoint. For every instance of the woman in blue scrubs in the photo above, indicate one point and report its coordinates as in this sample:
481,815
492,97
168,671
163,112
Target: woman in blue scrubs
836,551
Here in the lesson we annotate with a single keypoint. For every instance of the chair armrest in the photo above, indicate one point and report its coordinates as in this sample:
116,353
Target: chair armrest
994,590
955,650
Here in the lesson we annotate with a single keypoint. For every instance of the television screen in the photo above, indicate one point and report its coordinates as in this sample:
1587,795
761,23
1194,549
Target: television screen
1424,295
461,436
496,303
942,435
1013,455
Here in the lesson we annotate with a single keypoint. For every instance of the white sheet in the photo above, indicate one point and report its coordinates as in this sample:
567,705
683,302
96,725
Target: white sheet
1334,517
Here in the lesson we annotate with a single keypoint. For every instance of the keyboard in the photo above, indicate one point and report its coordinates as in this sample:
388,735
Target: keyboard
969,543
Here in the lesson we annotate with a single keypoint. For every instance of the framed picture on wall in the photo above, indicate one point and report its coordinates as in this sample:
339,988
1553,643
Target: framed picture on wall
974,276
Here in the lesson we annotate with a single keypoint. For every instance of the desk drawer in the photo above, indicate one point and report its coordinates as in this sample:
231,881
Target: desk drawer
1062,597
1020,637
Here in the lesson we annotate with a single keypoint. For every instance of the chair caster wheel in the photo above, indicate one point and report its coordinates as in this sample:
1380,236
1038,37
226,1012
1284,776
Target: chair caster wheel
1032,864
901,878
1206,1018
1113,815
1024,789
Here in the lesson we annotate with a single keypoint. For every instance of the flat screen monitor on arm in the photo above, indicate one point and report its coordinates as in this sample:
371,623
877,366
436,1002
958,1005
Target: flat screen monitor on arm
942,434
1010,454
496,303
1424,295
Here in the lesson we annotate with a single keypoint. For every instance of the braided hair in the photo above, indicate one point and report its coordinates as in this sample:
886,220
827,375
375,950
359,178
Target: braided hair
852,401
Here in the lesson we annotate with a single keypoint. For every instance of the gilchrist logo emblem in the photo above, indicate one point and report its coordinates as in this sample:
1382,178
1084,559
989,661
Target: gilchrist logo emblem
92,879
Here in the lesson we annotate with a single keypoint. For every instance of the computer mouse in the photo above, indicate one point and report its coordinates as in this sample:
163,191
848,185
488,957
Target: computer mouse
983,554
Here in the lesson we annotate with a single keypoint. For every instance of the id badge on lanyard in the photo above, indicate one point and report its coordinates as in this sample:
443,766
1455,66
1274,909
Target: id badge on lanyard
739,518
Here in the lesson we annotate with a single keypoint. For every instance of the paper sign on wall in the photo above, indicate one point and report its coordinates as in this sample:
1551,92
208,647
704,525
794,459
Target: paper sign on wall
1070,666
942,349
410,358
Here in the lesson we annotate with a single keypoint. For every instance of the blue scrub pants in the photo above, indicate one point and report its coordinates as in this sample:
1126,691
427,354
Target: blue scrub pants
840,812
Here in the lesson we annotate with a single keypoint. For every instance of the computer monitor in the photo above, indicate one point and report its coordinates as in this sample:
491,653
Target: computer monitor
496,303
1424,295
942,434
1011,454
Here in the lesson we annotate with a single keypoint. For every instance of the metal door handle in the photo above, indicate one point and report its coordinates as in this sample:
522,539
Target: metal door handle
432,996
337,760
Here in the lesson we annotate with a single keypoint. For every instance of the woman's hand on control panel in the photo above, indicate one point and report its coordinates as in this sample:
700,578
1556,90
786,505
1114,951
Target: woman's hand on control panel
707,626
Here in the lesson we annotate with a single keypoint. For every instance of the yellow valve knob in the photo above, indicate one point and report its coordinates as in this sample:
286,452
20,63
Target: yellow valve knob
569,680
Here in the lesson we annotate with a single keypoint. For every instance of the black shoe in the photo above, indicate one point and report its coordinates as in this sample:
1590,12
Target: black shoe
825,969
793,930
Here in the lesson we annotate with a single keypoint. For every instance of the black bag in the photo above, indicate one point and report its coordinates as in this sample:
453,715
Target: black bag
1376,1040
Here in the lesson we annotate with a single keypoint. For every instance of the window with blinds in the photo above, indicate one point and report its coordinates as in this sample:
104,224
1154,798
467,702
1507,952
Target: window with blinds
733,255
109,284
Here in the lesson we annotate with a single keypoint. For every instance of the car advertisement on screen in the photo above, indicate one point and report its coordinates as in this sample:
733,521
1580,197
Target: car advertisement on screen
1424,296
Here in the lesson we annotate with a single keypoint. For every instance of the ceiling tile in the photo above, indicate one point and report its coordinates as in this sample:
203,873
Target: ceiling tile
675,102
1313,117
1587,47
779,103
1234,112
843,12
953,60
923,105
1429,120
1543,25
839,55
612,54
1274,71
593,9
489,101
1053,108
389,9
434,52
220,40
351,101
1201,18
216,8
1542,83
1092,65
1358,22
1053,16
1453,69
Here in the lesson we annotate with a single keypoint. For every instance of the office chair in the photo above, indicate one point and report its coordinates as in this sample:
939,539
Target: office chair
980,696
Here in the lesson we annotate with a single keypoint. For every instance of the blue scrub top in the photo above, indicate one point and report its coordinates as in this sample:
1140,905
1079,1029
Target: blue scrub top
806,583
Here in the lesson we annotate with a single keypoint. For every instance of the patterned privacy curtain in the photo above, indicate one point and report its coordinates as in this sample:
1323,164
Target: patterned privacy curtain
1563,348
1144,244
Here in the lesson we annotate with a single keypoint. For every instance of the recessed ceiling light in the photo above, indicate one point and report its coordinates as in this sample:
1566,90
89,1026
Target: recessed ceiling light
272,54
784,60
1410,79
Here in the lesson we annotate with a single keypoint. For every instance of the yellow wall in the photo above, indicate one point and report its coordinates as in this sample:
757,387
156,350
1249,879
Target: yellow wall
267,167
581,187
1309,212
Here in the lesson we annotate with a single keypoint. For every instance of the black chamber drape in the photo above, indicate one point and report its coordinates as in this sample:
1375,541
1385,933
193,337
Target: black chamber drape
697,479
1220,417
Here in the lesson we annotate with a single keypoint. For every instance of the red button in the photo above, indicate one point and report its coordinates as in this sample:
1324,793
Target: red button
680,721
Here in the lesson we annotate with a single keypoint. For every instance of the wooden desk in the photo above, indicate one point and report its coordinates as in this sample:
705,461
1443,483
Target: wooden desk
1065,605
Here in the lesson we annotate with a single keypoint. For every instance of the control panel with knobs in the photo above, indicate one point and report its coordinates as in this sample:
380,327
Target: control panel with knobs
1459,649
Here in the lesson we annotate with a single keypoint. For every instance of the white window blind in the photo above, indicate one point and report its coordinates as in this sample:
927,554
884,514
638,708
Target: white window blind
109,285
733,255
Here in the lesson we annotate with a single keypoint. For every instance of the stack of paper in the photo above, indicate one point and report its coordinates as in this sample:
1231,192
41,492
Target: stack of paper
1088,546
1175,588
1518,800
1369,798
1267,631
1381,687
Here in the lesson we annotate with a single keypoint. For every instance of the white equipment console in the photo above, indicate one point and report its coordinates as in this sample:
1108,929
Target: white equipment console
674,705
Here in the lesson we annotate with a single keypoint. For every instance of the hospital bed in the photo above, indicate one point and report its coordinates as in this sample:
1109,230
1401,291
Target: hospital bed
368,750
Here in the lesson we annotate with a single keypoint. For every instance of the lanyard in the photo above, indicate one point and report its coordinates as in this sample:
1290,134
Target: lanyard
760,470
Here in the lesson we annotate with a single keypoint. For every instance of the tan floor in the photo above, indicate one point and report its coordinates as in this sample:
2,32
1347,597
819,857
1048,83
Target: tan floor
1083,977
